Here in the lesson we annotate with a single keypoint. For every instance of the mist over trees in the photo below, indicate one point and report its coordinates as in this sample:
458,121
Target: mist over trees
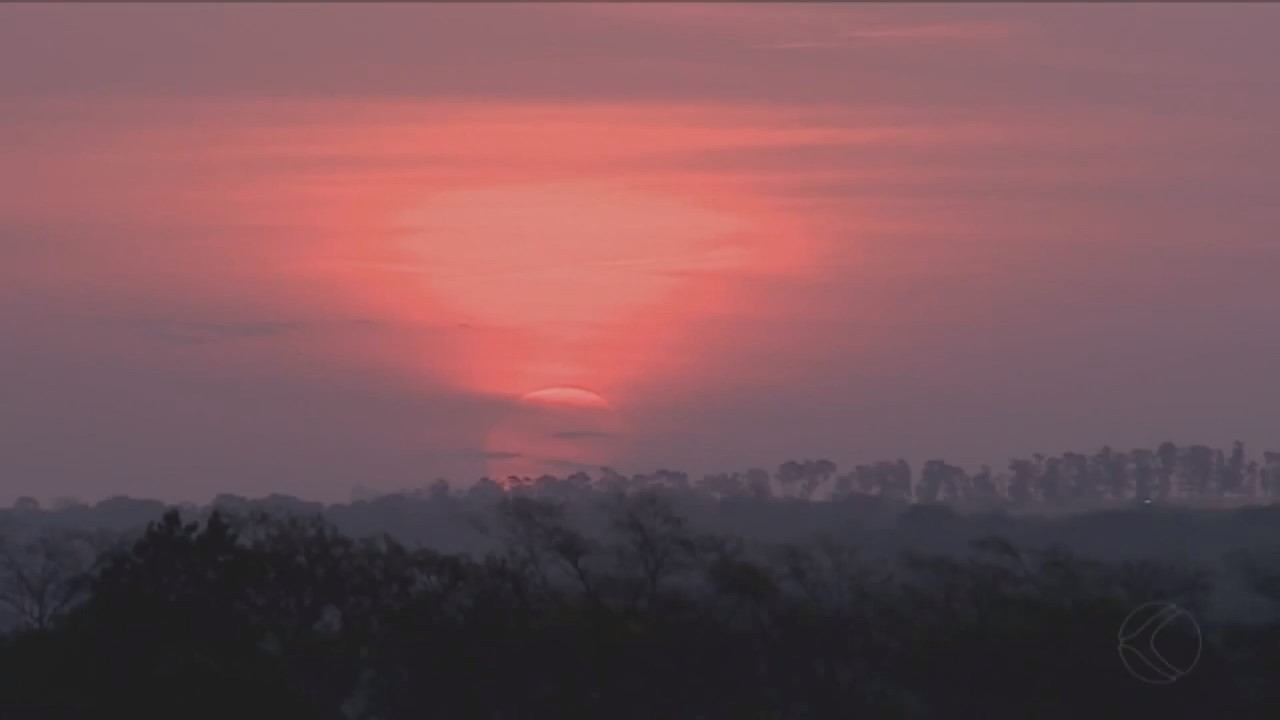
883,591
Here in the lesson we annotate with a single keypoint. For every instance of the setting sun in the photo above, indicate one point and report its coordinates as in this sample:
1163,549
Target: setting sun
576,282
566,397
638,360
554,431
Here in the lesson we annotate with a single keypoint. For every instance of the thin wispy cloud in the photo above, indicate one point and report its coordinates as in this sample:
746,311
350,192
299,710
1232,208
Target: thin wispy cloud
584,435
941,32
955,33
761,231
483,454
200,333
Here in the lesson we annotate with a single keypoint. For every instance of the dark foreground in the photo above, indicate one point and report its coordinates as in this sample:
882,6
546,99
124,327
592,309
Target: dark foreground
285,617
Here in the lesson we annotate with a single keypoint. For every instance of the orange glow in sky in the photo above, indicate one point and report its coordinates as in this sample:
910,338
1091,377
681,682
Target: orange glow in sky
559,248
558,270
373,241
563,257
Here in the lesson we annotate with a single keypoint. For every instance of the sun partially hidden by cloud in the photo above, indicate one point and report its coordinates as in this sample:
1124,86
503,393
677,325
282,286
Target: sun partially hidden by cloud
761,230
555,431
565,397
567,244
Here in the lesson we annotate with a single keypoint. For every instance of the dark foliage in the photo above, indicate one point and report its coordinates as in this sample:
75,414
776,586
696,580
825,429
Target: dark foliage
254,615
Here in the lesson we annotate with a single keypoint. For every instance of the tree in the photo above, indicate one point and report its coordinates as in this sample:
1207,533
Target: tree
1021,483
984,486
652,540
538,538
1144,474
1270,474
440,490
485,491
44,576
1196,465
722,486
1052,481
895,480
757,481
1168,454
789,476
940,480
164,622
1234,476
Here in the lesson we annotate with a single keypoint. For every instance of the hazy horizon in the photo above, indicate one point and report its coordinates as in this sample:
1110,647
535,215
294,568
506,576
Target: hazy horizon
300,249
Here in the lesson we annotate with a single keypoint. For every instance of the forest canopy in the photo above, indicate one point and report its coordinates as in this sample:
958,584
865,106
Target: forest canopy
797,594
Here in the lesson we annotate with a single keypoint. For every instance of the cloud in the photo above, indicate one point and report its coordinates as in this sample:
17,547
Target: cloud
200,333
941,32
799,45
481,454
584,435
938,33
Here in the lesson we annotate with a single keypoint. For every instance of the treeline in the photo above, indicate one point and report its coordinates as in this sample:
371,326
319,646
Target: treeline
644,617
1170,472
1188,473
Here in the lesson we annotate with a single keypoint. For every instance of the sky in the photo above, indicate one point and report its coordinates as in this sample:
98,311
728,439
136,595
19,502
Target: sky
305,249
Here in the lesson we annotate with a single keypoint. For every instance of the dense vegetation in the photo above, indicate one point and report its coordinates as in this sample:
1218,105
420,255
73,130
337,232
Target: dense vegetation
1185,473
646,597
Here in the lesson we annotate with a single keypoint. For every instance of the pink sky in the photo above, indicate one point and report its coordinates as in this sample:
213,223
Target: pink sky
302,248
